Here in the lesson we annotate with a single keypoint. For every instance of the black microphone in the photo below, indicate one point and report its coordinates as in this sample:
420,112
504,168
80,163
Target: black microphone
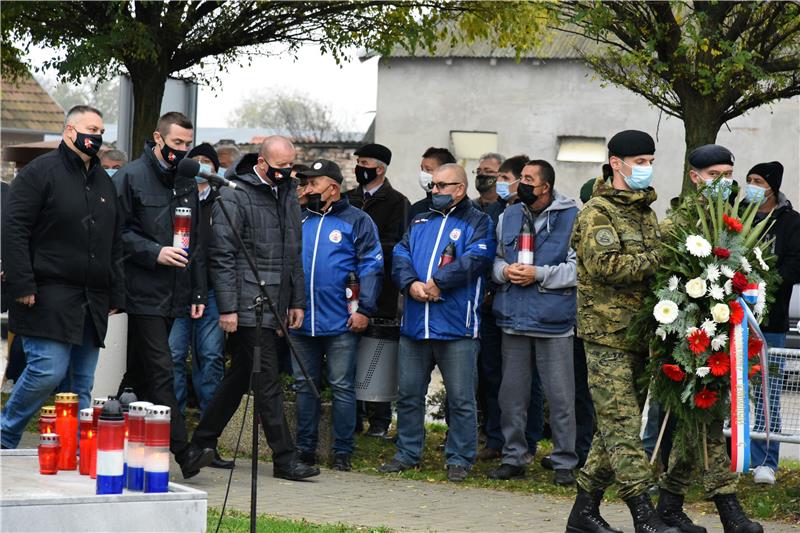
190,168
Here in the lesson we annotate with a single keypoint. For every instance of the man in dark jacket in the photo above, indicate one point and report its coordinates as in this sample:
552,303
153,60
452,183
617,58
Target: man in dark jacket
388,208
63,267
164,274
267,215
764,187
432,159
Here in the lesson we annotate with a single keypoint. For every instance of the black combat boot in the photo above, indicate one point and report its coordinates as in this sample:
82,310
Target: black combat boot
670,510
585,516
732,516
645,517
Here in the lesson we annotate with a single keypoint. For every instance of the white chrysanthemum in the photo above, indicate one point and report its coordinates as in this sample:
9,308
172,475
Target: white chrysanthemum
761,302
665,311
702,371
661,333
712,272
696,287
721,313
690,330
698,246
745,265
716,292
673,283
709,327
728,287
719,342
760,258
726,271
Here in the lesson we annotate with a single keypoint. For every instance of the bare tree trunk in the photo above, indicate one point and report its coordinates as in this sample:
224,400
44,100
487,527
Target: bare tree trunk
701,125
148,91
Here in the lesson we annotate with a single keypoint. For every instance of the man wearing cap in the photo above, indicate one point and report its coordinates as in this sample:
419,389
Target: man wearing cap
388,208
616,240
340,245
764,188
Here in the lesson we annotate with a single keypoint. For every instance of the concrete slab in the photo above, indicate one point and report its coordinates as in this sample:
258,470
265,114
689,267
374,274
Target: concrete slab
67,501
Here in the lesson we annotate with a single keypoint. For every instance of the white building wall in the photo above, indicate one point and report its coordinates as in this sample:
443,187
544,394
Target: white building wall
532,103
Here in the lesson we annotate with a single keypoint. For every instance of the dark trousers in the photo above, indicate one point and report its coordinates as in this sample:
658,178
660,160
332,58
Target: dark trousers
379,415
269,396
489,377
584,409
150,373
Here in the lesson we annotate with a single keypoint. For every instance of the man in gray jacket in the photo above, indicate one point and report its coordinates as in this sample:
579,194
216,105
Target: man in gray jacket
535,308
267,215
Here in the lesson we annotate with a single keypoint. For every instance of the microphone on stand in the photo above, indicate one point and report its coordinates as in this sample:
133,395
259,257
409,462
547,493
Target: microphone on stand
190,168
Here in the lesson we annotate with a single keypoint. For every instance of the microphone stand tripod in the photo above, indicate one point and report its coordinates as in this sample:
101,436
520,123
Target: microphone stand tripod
258,306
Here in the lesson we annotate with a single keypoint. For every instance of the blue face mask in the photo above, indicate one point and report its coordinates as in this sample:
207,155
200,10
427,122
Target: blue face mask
204,167
221,171
111,171
715,187
753,194
440,202
641,176
503,189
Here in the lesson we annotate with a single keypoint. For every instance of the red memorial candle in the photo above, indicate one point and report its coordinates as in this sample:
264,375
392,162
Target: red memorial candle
49,451
86,441
67,429
47,419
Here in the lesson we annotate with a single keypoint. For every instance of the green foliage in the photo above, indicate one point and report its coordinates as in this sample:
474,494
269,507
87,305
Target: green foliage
299,114
104,96
239,522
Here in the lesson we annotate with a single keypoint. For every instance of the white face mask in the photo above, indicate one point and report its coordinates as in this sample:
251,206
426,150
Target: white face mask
425,180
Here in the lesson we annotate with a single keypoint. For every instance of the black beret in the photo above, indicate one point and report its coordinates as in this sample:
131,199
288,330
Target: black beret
631,142
375,151
586,190
322,167
709,155
771,172
206,150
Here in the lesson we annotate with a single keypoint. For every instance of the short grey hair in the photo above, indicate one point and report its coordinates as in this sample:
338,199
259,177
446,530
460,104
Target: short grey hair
231,148
457,169
493,155
115,155
80,110
378,162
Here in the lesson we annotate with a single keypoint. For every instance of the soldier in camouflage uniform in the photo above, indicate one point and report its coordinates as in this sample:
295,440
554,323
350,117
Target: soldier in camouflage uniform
616,239
708,163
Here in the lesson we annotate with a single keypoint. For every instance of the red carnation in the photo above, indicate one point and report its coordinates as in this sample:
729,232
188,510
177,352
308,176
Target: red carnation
719,364
739,282
673,372
755,369
722,253
698,341
734,224
754,346
705,398
737,313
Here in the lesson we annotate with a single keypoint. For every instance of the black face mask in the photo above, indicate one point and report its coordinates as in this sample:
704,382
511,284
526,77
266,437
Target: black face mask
365,175
88,143
525,193
171,155
314,202
277,175
484,183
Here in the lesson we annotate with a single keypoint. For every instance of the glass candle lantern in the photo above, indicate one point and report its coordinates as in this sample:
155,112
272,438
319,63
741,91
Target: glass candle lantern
47,419
85,441
97,408
156,451
137,411
110,441
49,452
126,399
67,429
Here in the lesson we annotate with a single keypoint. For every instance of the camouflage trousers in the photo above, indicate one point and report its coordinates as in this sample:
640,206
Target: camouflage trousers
687,455
617,452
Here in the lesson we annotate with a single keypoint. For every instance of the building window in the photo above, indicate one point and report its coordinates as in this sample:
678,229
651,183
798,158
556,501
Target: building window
581,149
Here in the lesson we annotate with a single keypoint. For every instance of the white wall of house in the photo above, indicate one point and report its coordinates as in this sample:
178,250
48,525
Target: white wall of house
532,103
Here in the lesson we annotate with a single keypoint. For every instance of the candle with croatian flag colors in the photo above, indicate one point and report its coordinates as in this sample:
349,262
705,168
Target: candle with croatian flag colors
126,399
67,429
137,411
47,419
156,451
110,440
525,244
49,450
183,228
97,408
86,441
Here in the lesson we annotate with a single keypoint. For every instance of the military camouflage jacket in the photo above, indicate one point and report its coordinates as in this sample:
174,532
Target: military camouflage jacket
616,239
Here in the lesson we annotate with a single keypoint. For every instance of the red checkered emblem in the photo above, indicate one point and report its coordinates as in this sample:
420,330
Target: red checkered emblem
185,242
171,157
87,143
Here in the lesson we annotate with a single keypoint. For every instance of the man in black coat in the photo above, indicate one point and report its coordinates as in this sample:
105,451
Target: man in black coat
162,280
63,267
389,209
265,211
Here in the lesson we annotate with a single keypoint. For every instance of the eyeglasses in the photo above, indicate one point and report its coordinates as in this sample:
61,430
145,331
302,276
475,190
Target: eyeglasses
442,185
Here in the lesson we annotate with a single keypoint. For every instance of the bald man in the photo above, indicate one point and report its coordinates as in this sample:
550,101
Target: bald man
266,213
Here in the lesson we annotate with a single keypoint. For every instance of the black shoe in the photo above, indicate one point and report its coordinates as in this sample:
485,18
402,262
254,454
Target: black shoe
547,463
378,432
585,515
195,459
645,517
457,473
670,510
341,462
563,477
394,466
732,516
309,458
506,471
295,471
219,462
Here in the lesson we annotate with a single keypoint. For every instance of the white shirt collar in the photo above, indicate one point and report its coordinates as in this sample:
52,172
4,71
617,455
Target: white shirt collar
374,189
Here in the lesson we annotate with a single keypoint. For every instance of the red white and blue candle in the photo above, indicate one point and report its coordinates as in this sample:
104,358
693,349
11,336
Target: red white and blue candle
156,451
137,412
110,442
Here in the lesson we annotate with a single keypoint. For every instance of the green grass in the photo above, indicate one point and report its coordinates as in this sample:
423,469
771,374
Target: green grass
779,502
238,522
